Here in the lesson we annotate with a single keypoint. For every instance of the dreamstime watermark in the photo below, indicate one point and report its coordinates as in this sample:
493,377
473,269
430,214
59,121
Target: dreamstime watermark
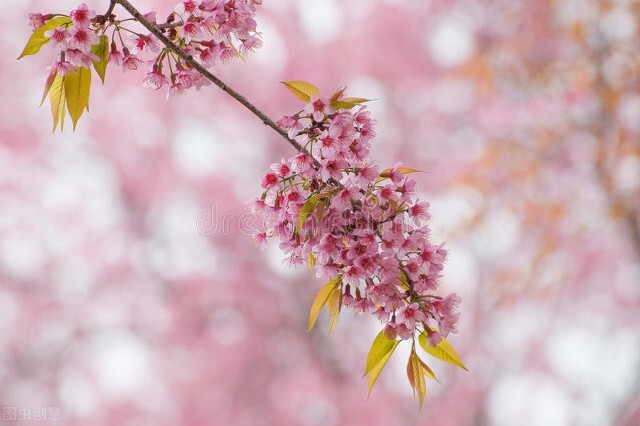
31,414
216,222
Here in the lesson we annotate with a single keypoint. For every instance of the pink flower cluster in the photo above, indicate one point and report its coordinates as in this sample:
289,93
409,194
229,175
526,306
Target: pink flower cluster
212,31
364,228
74,40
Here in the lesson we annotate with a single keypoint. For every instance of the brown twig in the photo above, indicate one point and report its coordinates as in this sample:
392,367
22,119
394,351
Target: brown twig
157,32
112,4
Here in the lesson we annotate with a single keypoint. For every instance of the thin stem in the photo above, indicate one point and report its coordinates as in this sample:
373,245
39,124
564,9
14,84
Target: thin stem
156,31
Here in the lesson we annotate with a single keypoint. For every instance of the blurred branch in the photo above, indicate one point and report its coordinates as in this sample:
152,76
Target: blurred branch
603,131
629,216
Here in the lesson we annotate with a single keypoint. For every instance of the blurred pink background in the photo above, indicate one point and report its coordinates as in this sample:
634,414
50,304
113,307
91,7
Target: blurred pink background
130,293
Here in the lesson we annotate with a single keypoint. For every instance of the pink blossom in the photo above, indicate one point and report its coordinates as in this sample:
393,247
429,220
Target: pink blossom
317,108
409,315
190,30
155,79
250,45
329,147
151,17
331,169
36,20
226,53
369,172
59,37
269,180
394,330
224,32
420,211
362,117
434,338
130,62
79,58
176,90
144,43
396,175
188,7
261,239
359,304
62,67
82,16
82,39
210,55
447,315
292,124
282,169
302,163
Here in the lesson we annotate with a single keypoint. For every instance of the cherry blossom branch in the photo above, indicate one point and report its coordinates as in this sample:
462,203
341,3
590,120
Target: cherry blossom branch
158,33
170,25
112,4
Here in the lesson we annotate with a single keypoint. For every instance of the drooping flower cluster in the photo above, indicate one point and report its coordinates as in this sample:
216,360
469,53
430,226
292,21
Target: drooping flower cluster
211,31
362,228
73,36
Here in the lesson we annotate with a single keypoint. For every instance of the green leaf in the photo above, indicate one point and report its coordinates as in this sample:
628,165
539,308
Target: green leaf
38,39
404,280
442,350
334,304
321,300
416,377
312,261
380,352
301,89
322,205
101,50
57,100
348,103
307,209
77,88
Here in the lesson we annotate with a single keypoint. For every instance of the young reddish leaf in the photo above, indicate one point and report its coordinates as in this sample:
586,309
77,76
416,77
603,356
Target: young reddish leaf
380,352
47,86
57,100
301,89
101,50
442,350
77,87
334,303
321,300
428,371
386,173
416,376
38,39
411,373
337,95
